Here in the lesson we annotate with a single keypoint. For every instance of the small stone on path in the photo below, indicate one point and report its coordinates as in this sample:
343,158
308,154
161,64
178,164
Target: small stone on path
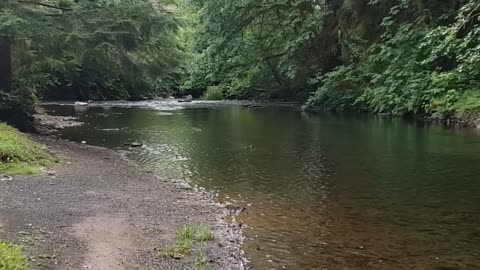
5,178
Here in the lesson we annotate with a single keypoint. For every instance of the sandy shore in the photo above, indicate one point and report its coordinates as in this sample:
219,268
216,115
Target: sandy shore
96,210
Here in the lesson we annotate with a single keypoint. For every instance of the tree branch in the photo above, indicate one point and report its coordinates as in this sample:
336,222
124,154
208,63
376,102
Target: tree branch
45,5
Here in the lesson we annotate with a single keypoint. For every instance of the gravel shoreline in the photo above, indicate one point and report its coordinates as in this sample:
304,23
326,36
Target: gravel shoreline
96,210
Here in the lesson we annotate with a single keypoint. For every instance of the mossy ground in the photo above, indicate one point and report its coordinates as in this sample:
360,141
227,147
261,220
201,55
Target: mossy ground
19,154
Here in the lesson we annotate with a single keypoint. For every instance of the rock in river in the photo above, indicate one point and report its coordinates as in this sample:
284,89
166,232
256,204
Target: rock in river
234,208
136,144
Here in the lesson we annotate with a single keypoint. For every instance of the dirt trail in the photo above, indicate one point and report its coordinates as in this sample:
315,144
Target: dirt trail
95,210
109,241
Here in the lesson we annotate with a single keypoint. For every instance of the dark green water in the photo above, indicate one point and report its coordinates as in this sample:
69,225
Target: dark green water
322,191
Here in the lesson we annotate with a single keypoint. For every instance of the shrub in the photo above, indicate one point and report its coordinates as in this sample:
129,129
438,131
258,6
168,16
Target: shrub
213,93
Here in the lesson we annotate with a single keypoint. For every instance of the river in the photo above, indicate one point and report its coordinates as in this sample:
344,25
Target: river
321,191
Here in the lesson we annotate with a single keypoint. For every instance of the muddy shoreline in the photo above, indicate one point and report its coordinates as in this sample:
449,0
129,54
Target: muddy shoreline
96,210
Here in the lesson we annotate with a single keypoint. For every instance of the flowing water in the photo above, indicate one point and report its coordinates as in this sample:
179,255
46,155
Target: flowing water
322,191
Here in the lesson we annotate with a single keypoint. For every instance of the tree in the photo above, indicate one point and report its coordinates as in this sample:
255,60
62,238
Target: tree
266,47
424,62
125,49
5,65
404,57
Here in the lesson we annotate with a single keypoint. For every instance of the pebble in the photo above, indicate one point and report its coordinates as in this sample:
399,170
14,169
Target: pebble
5,178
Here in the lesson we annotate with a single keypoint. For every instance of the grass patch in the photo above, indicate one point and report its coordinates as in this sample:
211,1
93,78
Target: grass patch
12,257
195,232
185,238
19,154
180,250
201,261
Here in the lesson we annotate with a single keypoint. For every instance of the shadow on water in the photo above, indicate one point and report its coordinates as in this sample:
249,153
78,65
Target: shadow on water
322,191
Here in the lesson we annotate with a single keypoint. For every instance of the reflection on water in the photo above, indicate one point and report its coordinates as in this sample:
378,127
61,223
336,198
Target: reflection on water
321,191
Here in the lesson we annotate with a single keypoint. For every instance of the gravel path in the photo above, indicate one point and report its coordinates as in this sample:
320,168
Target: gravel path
95,210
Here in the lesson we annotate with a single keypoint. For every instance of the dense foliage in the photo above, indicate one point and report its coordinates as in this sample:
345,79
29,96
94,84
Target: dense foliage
395,56
93,49
125,49
254,48
426,62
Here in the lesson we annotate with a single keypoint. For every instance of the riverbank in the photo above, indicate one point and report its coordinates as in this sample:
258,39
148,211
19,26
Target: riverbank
19,154
54,123
95,210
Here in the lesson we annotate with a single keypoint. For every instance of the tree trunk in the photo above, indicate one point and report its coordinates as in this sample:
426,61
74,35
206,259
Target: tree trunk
277,76
5,65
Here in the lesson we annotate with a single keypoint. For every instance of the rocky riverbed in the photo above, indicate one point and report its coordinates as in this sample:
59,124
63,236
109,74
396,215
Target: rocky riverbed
49,124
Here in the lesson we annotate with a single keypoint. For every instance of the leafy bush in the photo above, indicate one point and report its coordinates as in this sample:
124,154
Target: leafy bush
213,93
468,105
254,49
337,90
421,65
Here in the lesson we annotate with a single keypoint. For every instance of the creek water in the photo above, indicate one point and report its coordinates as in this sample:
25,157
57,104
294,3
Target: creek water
321,191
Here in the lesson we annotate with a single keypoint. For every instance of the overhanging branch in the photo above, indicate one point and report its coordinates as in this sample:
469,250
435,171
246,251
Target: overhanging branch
45,5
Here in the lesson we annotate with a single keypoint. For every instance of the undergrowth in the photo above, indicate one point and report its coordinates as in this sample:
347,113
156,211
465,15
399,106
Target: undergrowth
213,93
422,64
19,154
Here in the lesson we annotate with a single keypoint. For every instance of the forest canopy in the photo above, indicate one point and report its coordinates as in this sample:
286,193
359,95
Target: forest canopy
416,57
118,49
401,57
